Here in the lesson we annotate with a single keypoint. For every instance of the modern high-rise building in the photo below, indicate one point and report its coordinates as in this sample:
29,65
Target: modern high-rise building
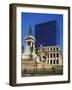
46,34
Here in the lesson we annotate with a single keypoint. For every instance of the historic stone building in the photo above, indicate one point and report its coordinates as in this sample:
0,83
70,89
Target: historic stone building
50,55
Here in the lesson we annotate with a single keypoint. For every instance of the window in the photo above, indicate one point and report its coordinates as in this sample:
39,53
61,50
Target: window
50,61
54,49
57,54
53,61
57,61
54,55
29,43
57,48
51,49
50,55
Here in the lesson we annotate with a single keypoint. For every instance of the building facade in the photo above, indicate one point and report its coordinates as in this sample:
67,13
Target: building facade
46,33
50,55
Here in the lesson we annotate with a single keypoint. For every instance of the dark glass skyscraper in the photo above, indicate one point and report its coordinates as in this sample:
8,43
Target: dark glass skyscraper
46,33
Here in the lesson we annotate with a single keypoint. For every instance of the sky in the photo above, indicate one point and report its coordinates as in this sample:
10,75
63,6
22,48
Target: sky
31,19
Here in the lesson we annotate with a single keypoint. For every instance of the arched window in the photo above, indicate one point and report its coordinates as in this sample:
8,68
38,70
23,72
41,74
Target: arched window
57,54
54,61
50,61
50,55
50,48
54,49
54,55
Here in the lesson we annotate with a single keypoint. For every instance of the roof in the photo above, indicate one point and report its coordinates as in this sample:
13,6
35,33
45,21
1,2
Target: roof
30,37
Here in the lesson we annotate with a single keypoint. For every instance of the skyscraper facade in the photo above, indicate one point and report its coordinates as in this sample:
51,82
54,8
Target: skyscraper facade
46,34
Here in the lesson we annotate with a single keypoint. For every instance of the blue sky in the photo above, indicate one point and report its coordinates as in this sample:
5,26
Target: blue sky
31,19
